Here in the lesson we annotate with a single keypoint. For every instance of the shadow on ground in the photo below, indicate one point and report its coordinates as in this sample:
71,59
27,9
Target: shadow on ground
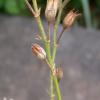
23,77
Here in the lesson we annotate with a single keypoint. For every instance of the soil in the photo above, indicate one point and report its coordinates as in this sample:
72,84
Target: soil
24,77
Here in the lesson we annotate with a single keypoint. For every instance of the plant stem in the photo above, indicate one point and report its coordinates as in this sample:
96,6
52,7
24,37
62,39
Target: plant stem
60,36
51,87
47,49
48,31
57,88
62,5
30,8
55,32
41,29
54,81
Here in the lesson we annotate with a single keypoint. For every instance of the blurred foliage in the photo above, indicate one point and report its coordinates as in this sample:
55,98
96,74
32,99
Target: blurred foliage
17,7
13,7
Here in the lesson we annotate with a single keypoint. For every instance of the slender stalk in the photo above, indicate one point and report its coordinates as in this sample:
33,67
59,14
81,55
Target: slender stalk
60,36
42,32
47,48
30,8
55,31
51,87
35,5
48,31
57,88
55,82
62,5
39,22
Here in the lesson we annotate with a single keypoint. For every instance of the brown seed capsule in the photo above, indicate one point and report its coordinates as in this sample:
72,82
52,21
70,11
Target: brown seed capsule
58,72
38,51
51,10
70,18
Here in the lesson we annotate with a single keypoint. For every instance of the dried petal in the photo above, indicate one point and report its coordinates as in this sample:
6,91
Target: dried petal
38,51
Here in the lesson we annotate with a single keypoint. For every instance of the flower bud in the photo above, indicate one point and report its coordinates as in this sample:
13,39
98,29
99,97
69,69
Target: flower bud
51,10
38,51
70,18
58,72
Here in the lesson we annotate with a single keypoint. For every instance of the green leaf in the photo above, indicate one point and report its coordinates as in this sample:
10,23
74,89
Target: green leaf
11,7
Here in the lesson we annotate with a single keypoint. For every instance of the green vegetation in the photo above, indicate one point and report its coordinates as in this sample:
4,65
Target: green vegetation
89,8
13,7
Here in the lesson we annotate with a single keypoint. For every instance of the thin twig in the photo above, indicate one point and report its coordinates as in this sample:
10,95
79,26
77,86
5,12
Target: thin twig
48,64
56,30
52,95
60,36
48,31
65,3
62,5
30,7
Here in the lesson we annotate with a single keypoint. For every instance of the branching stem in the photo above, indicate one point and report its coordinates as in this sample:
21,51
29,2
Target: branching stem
50,58
48,52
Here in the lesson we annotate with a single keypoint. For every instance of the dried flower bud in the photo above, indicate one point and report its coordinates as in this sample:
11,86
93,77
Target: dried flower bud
38,51
58,72
51,10
70,18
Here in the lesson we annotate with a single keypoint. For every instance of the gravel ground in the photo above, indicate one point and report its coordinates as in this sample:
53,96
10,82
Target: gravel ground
24,77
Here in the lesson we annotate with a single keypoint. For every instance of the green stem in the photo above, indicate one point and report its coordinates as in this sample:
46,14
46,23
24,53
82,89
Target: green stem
42,32
47,49
51,87
39,22
55,32
56,27
65,3
57,88
35,5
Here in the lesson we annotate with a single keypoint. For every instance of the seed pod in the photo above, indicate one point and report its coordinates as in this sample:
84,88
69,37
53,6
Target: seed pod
70,18
38,51
58,72
51,10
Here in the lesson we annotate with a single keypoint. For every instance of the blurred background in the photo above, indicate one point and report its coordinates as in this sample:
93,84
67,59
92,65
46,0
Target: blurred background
24,77
89,8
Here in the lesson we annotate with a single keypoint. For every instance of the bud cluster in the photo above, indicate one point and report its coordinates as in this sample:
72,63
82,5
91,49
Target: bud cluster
48,55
